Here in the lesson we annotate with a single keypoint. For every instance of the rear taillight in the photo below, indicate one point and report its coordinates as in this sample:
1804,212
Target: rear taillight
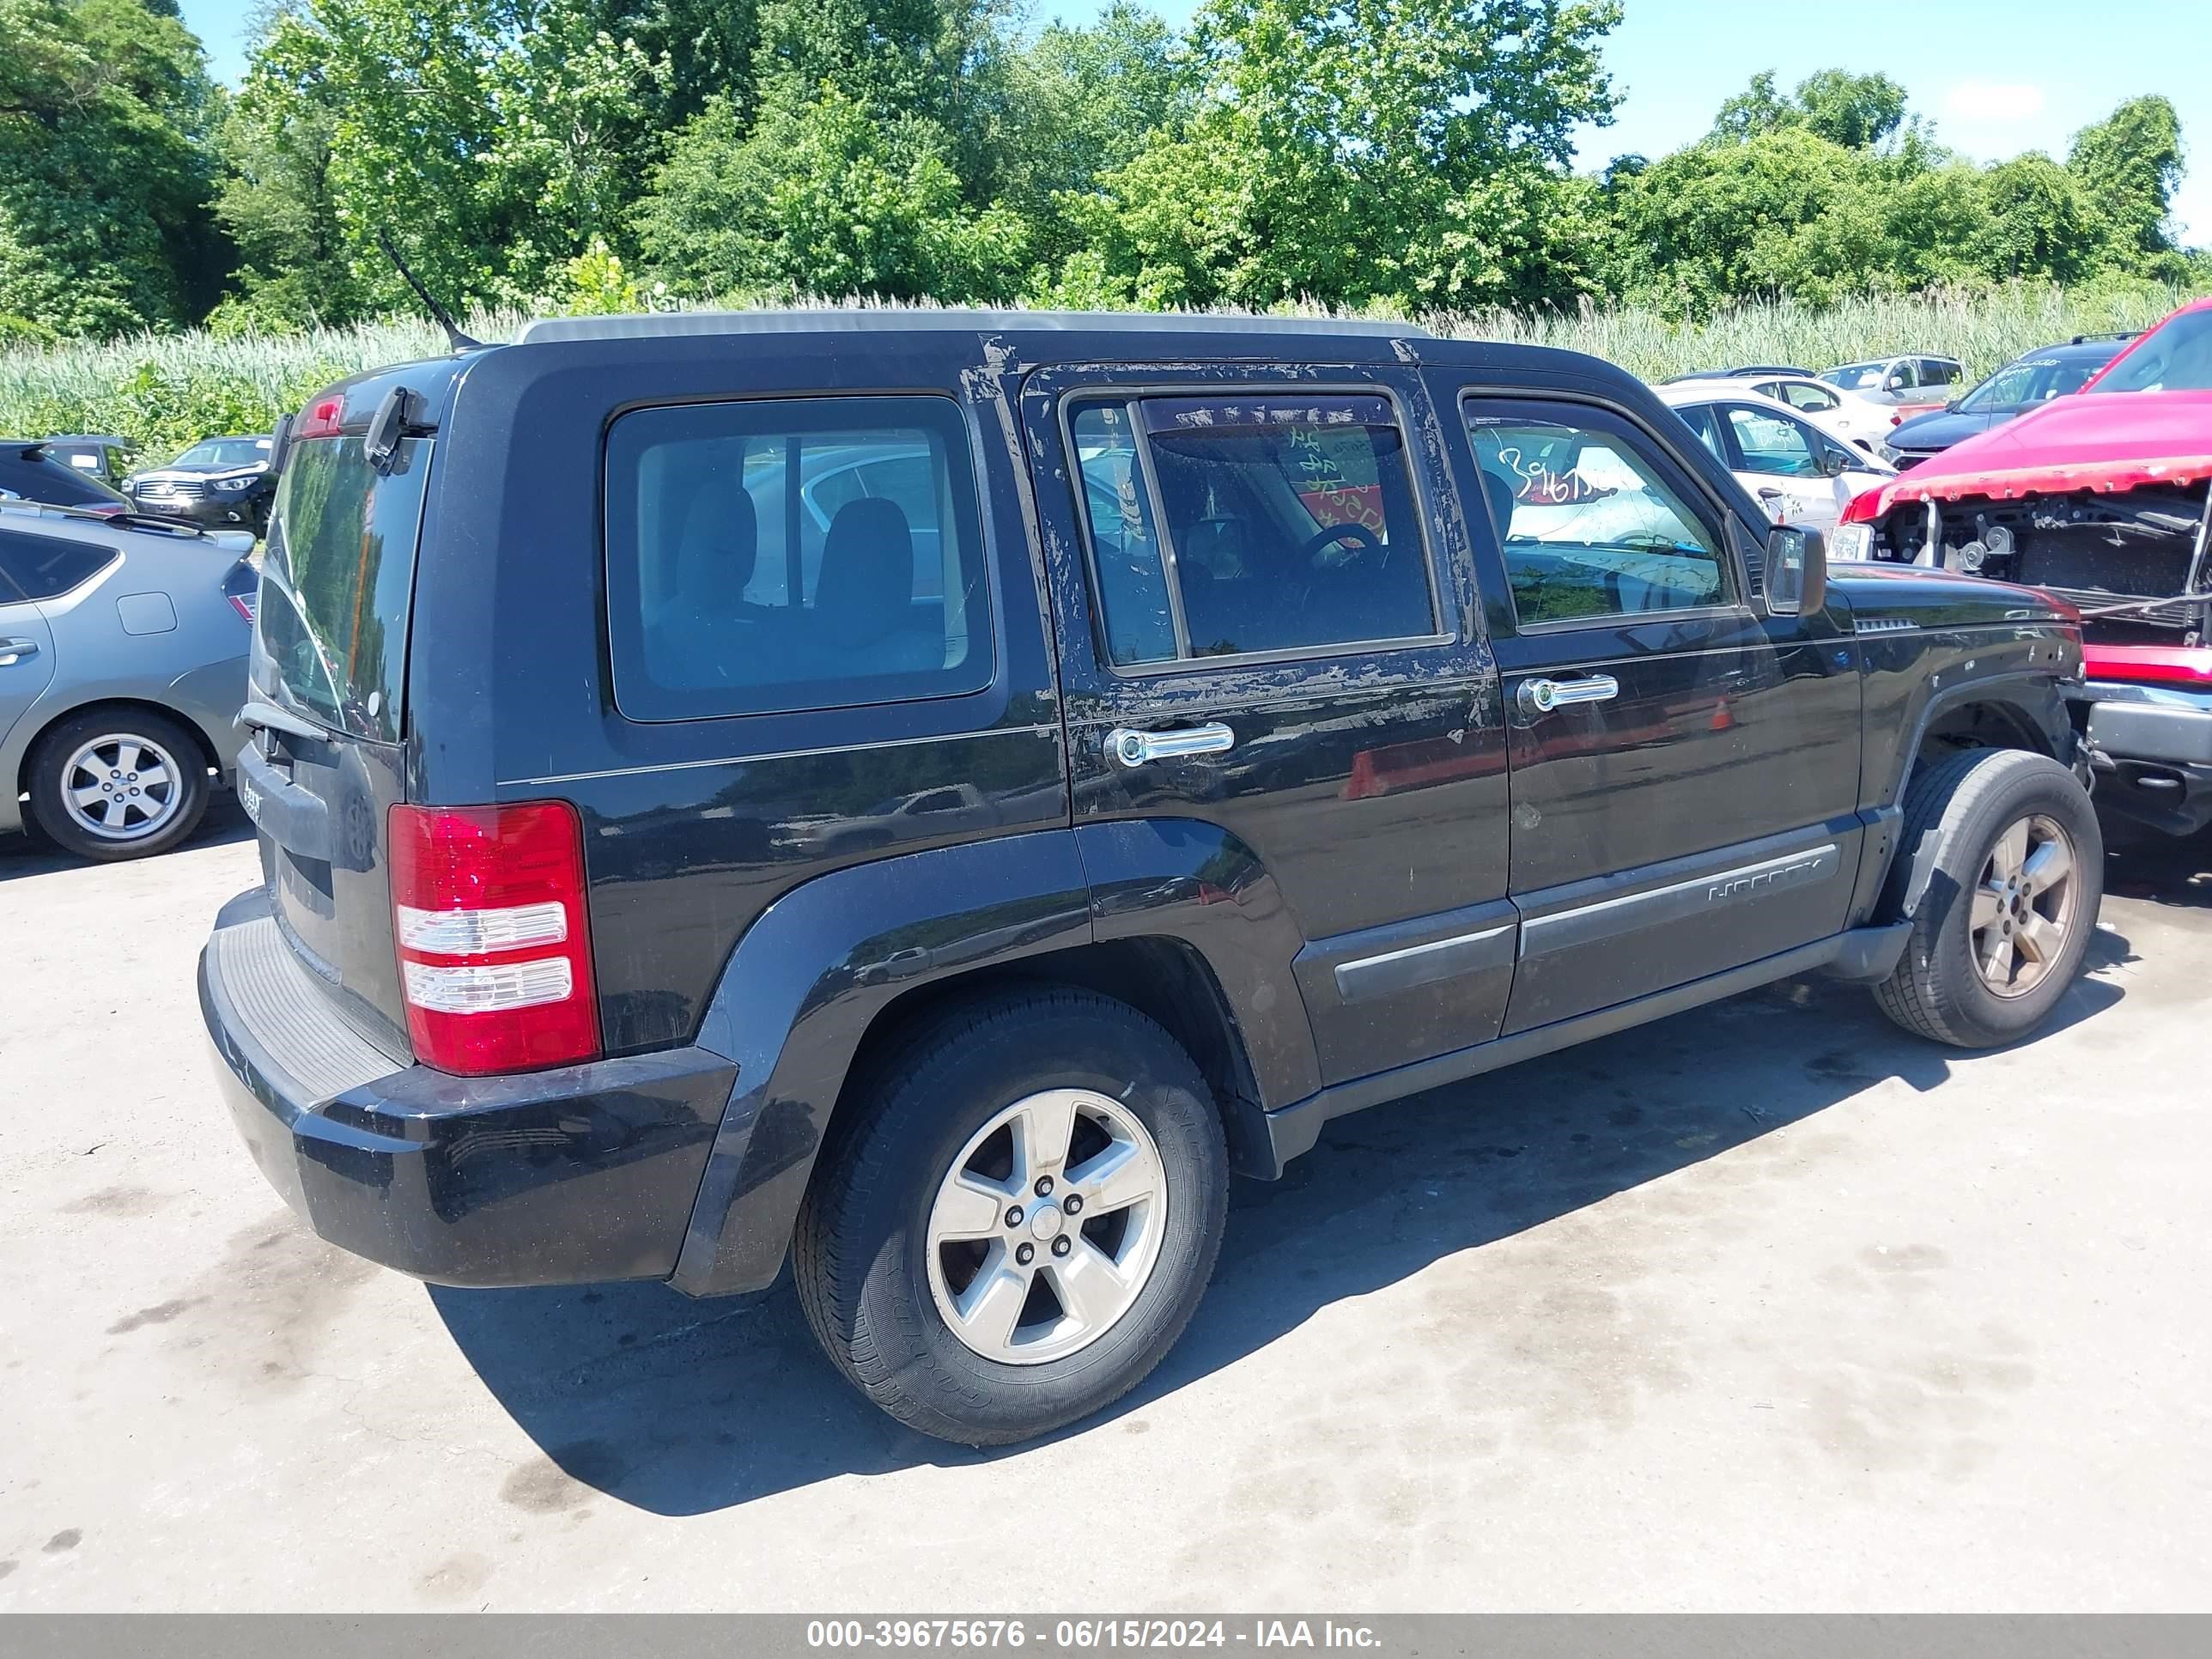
494,945
241,586
321,418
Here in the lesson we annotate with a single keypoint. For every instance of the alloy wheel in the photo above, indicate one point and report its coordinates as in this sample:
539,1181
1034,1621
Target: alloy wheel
1047,1228
122,788
2024,907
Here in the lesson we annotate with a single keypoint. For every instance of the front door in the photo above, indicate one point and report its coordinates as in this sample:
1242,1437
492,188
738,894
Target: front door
1801,475
1685,768
1268,656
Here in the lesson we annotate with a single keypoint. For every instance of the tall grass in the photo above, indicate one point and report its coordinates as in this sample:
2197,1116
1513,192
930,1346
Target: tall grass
164,391
1983,330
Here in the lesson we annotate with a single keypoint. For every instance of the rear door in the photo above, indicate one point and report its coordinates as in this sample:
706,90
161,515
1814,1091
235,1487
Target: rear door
27,647
325,764
1685,768
1265,650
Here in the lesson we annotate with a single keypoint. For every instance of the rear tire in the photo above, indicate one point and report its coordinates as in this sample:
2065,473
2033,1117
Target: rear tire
906,1251
2000,932
110,784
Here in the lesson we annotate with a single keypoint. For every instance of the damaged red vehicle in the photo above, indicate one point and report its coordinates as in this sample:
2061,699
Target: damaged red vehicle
2099,497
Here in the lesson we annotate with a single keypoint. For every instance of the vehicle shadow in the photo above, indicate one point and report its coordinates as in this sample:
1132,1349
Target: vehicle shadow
681,1407
2170,870
32,854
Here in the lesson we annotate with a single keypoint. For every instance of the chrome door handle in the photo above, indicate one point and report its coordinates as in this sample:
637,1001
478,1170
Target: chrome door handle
1135,748
1542,696
14,651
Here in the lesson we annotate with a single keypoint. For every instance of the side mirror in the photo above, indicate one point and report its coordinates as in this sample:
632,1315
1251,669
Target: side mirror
1834,463
1796,571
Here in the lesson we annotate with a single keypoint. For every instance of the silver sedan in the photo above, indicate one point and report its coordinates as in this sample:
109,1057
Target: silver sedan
123,659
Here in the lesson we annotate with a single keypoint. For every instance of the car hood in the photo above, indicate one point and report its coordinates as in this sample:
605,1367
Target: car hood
1944,428
198,470
1890,596
2108,441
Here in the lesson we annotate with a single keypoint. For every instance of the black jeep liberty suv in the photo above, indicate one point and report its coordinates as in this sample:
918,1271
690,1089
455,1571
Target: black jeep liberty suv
932,794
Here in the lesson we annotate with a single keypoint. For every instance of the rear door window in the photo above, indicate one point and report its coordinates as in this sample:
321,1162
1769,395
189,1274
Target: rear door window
337,579
786,554
1222,526
48,567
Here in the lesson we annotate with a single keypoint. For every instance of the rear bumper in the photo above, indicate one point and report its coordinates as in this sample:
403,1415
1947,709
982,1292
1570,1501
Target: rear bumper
572,1175
2153,745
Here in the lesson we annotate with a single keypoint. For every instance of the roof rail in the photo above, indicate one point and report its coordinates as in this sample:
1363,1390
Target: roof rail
2089,339
870,319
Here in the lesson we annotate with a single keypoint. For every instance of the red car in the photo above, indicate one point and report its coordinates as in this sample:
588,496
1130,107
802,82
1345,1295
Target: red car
2101,497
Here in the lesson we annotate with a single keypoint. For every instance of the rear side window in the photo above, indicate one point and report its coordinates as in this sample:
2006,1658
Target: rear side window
1223,526
48,567
793,553
337,574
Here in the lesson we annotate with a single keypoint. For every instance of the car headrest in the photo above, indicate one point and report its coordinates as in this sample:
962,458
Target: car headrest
866,583
1503,491
719,545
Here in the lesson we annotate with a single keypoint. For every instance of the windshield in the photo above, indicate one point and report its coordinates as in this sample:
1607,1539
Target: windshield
224,451
2176,356
336,578
1856,377
2030,380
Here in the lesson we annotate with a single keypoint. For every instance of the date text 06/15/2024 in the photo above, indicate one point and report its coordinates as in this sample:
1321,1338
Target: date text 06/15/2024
1079,1635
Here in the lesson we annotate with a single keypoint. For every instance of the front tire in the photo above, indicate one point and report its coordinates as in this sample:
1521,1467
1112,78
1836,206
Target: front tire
2002,927
110,784
1021,1220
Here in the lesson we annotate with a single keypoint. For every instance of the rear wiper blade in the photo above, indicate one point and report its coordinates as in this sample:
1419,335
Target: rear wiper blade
267,717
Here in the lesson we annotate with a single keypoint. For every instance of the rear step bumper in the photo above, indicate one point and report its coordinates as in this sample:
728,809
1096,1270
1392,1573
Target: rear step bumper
572,1175
2154,745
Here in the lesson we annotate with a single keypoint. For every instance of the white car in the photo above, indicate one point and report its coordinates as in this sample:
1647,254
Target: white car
1864,422
1921,382
1800,470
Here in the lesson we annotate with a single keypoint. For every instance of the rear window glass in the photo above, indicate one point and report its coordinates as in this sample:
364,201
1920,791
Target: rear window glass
47,567
793,553
41,478
337,577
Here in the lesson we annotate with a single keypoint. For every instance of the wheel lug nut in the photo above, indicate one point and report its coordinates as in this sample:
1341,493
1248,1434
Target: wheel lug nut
1062,1245
1072,1203
1026,1254
1044,1187
1014,1216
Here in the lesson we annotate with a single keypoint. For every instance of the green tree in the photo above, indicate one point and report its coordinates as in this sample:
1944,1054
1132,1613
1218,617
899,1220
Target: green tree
1721,220
104,173
1856,110
819,197
2037,223
496,140
1406,152
2127,168
1080,103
